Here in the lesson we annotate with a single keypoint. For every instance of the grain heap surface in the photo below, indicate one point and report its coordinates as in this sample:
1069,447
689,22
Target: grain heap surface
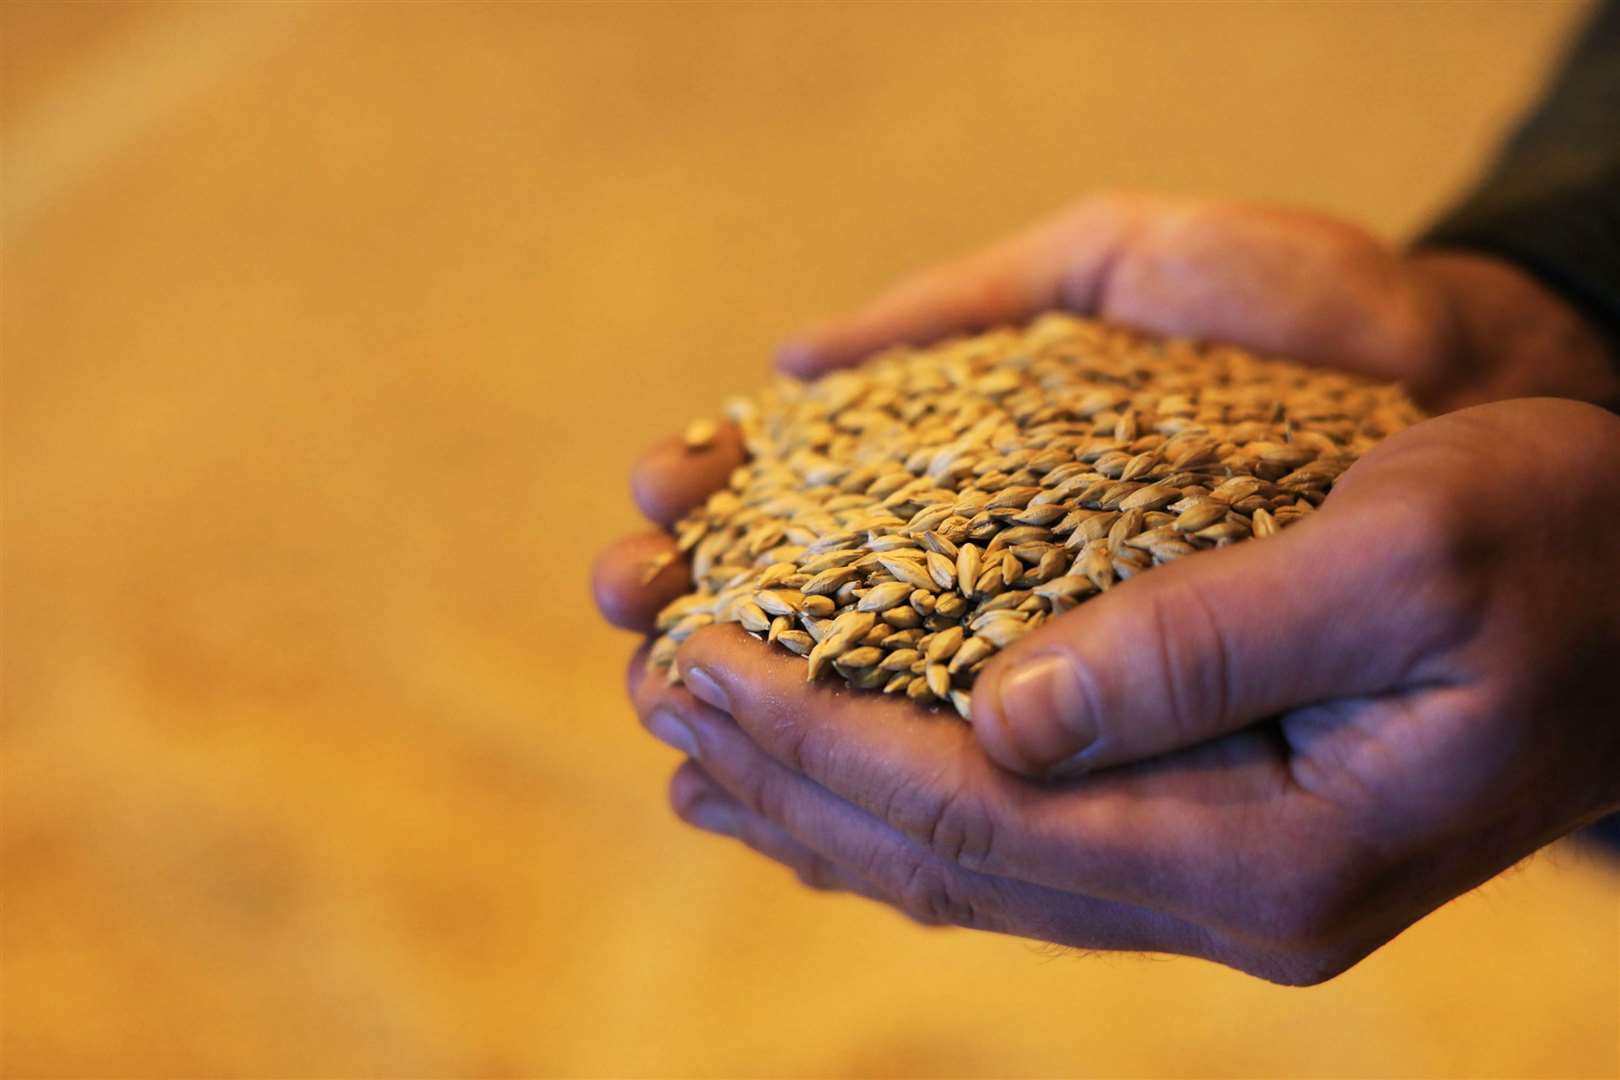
900,522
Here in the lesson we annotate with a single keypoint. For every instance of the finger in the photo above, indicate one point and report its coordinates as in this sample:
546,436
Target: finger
1278,281
673,476
701,803
635,671
899,868
1273,280
1160,837
1209,645
636,577
1056,263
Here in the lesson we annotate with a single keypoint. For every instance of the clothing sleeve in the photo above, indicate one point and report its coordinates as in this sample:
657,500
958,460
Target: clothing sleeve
1550,202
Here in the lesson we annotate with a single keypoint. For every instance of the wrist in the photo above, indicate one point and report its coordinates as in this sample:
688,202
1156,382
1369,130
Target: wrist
1509,336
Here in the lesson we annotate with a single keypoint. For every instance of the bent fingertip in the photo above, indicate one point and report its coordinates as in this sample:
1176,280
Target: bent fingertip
634,578
990,729
1031,715
687,784
679,472
698,802
650,489
712,815
801,355
635,670
669,729
705,687
608,594
721,654
831,345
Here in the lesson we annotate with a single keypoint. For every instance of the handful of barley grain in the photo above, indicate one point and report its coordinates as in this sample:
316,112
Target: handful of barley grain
900,522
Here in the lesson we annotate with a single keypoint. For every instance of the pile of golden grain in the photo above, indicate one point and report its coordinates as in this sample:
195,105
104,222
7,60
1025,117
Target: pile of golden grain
899,522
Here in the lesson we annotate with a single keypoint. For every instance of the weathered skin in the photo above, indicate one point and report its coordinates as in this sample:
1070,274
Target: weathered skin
1276,755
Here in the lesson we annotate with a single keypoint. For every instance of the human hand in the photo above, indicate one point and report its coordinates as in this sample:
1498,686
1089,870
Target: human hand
1280,753
1457,328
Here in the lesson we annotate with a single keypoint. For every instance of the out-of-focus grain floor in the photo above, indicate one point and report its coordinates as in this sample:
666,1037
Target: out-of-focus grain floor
330,332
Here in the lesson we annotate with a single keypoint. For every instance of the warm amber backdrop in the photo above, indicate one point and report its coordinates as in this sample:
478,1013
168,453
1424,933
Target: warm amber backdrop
330,332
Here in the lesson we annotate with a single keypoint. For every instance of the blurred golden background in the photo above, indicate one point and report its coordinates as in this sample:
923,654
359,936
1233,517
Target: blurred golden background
330,334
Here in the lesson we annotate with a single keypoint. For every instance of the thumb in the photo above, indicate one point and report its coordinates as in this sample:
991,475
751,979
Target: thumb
1208,645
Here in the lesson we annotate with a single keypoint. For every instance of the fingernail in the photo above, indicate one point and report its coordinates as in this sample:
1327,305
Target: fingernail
713,815
1043,709
670,730
705,689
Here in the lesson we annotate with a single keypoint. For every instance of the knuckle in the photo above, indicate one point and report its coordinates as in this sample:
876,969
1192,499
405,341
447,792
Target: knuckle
802,748
762,791
952,823
795,746
1189,645
962,831
929,892
819,875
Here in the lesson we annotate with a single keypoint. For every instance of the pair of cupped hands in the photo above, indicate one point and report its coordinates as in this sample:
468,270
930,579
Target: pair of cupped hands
1275,755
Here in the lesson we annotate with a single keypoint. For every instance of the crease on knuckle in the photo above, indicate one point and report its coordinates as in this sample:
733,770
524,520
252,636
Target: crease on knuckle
818,874
929,891
951,821
764,793
816,754
1182,627
791,744
963,830
1215,680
